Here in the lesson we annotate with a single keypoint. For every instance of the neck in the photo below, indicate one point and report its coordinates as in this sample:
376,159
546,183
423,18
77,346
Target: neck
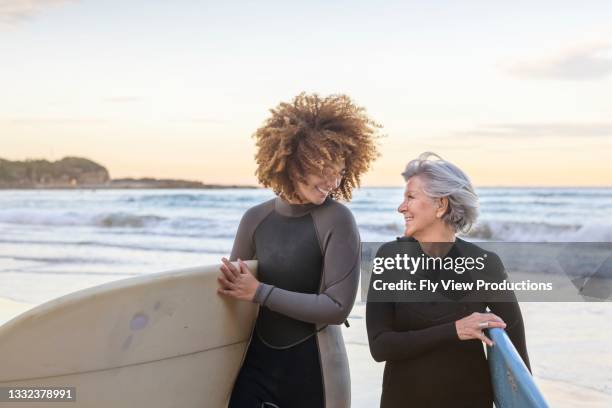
293,200
436,240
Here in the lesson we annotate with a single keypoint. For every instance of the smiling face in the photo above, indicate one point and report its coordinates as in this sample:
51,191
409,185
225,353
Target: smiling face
422,214
318,186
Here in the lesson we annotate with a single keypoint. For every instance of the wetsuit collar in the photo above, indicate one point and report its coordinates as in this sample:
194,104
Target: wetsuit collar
294,210
455,250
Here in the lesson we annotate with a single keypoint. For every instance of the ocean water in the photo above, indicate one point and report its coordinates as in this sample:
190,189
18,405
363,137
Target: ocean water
53,242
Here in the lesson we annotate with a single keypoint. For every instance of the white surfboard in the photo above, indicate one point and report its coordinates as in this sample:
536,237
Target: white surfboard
160,340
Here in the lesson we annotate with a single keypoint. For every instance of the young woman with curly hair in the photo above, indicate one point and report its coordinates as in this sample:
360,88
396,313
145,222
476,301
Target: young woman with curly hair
311,152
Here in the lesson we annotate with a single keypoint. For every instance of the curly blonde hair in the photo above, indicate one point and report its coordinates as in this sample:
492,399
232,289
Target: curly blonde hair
307,135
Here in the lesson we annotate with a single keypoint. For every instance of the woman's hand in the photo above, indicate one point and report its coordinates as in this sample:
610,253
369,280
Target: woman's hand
470,327
237,283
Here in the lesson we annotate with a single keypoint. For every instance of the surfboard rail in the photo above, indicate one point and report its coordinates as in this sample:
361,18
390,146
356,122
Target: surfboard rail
513,385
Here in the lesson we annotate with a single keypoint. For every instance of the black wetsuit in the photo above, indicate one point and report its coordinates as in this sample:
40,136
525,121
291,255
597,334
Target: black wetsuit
427,365
308,263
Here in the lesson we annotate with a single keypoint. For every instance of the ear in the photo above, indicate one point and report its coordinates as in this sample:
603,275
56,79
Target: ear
442,207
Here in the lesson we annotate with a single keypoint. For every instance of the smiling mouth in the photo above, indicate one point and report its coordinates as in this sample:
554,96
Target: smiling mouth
322,191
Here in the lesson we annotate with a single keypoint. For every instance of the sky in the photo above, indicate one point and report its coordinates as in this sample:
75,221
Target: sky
515,93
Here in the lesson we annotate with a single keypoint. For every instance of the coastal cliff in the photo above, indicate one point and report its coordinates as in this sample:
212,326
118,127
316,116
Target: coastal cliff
67,172
78,172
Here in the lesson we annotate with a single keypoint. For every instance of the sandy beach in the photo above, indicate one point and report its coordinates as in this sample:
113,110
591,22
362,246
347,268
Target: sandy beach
366,374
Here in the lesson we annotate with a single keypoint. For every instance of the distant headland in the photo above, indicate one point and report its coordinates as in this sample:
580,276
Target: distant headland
78,172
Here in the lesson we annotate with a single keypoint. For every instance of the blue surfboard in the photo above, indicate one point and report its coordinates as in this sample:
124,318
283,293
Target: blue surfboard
513,385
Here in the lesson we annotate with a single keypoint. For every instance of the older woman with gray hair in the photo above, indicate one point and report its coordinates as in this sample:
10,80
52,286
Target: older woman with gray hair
432,347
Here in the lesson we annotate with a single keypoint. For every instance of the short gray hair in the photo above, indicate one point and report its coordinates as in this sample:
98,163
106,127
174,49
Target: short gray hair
443,179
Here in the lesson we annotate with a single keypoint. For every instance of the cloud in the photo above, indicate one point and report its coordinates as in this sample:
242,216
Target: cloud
51,121
601,129
17,11
202,120
578,62
123,99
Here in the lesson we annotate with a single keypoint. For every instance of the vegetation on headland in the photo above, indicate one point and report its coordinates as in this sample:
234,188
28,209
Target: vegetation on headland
77,172
67,172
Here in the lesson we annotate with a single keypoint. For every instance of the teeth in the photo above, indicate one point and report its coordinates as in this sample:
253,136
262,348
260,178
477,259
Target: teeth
322,191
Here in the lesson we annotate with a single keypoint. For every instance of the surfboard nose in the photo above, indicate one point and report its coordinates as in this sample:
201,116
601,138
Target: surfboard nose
513,385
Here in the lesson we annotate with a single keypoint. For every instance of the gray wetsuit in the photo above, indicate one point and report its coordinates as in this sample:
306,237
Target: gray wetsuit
308,266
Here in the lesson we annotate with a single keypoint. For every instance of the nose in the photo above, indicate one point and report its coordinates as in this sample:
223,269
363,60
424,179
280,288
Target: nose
402,207
333,182
337,181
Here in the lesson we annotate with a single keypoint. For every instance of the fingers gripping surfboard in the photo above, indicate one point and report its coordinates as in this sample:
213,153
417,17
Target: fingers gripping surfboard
161,340
513,385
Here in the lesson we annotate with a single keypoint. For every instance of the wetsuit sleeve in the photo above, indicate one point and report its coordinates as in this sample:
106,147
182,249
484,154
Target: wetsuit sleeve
339,240
510,312
388,344
243,247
